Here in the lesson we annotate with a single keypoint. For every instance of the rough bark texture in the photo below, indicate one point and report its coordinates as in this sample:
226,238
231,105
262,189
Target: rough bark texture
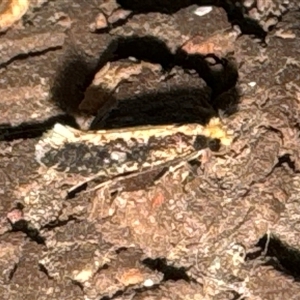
224,228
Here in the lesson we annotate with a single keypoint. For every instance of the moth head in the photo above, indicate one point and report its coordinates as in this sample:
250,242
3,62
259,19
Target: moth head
216,130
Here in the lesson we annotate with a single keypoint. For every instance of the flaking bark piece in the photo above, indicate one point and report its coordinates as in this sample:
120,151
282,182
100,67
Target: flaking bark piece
35,43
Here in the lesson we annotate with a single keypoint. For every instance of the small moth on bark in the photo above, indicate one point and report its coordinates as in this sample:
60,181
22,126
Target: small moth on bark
111,153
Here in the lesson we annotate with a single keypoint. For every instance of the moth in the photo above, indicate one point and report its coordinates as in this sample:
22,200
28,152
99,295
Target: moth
107,154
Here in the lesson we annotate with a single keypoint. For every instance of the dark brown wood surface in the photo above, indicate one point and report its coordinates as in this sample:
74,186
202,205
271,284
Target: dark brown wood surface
223,227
